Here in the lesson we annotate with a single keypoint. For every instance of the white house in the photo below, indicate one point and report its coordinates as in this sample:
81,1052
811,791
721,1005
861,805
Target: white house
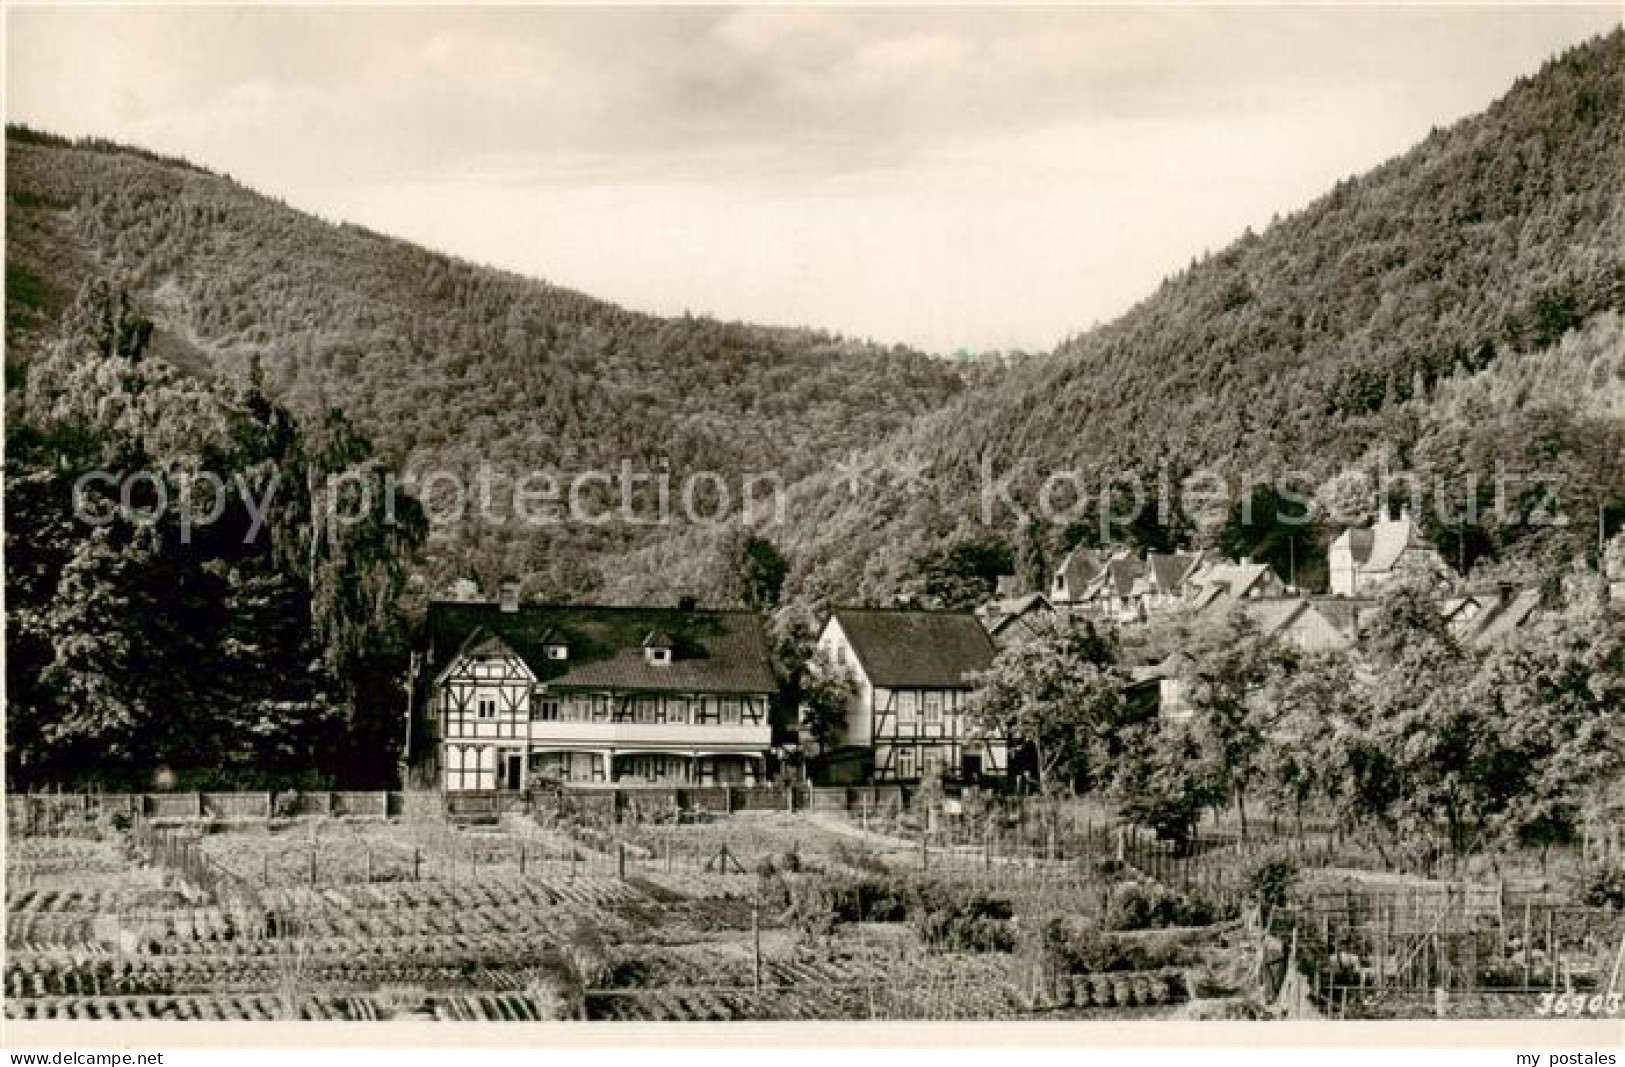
912,671
595,694
1366,560
1014,620
1075,574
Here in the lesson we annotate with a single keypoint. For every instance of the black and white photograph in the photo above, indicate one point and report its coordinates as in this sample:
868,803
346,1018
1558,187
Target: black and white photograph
1105,516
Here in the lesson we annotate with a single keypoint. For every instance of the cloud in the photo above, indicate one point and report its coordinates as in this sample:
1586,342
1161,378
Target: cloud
944,175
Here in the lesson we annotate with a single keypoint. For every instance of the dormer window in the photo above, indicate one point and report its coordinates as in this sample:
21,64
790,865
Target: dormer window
657,649
556,652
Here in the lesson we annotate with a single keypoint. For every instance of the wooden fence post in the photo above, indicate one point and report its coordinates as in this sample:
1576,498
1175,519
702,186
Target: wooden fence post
756,940
1527,957
620,865
1551,950
313,866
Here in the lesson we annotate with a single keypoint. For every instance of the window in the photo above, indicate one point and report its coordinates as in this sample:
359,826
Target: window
488,707
908,703
546,709
933,706
557,652
661,656
905,762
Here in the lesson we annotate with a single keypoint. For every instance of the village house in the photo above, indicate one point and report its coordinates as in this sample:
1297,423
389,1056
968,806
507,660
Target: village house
912,672
1222,582
1478,619
1308,624
1167,679
1128,589
1075,574
1015,620
1367,560
520,693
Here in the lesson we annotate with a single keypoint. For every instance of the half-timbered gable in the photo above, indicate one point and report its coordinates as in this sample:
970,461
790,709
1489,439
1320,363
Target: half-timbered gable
595,694
913,670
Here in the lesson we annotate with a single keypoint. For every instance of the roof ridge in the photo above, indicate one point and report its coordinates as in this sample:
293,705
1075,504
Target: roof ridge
554,606
914,611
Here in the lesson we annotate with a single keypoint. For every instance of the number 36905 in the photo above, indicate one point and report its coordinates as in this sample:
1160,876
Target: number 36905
1578,1004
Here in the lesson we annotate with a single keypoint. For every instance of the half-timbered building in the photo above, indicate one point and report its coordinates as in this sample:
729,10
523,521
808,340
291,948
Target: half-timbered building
912,671
519,693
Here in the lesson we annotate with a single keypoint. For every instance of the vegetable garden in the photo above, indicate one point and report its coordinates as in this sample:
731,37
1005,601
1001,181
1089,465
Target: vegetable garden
757,916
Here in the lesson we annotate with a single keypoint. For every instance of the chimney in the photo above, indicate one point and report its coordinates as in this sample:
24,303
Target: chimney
508,597
1246,561
1503,593
687,602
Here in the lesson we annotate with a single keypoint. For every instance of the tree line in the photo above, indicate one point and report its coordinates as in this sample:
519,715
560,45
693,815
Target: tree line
146,646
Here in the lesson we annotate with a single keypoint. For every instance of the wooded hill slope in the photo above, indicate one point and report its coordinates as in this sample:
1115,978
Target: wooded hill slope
1455,307
442,363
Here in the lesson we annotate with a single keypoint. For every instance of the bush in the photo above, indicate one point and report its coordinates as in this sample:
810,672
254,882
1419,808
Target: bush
857,859
812,912
1150,905
878,900
773,890
1604,888
975,923
1270,879
1067,946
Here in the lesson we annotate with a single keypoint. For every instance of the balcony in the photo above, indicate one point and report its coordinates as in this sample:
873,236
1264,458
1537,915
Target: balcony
678,735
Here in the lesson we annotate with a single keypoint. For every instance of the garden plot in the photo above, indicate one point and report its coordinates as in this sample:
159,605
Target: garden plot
514,922
316,852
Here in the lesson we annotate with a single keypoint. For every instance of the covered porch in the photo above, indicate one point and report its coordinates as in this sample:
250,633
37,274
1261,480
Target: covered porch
646,767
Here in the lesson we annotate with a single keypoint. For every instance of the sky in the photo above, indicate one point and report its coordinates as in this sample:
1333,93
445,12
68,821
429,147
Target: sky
946,177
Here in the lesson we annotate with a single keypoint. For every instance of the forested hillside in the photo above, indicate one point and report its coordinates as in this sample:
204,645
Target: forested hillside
1455,311
442,363
1456,307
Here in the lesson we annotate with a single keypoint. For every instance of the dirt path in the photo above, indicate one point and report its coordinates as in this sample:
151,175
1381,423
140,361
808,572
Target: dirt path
838,825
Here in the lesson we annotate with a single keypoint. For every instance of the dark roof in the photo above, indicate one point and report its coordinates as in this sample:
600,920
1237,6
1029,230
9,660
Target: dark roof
1118,576
1169,569
712,651
1359,542
1080,567
917,648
